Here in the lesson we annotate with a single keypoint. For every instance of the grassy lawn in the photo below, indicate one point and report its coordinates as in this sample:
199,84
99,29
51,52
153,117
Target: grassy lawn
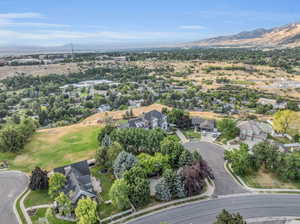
190,133
55,147
41,213
106,181
40,197
264,179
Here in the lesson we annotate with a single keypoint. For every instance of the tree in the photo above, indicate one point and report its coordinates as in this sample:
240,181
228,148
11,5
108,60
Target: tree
105,155
119,194
137,140
179,117
163,191
153,164
289,166
170,146
86,211
64,204
123,162
242,162
139,192
11,139
284,119
226,218
14,137
56,183
228,128
138,186
194,176
266,155
39,179
170,186
186,158
105,131
292,105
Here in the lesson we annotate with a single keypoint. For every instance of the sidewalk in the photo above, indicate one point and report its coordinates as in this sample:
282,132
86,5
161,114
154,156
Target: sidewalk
181,136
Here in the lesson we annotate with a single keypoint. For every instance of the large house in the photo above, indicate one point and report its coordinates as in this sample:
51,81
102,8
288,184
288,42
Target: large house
149,120
254,131
79,182
201,124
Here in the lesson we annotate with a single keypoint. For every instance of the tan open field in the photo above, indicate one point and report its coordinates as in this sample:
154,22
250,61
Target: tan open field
262,77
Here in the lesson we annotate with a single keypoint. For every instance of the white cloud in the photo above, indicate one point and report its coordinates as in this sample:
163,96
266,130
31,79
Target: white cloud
191,27
26,15
7,23
20,28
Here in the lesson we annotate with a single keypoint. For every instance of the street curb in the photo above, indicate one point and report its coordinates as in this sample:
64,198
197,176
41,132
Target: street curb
15,207
23,209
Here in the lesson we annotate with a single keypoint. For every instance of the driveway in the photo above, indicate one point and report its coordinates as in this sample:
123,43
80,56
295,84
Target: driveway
205,212
12,184
214,156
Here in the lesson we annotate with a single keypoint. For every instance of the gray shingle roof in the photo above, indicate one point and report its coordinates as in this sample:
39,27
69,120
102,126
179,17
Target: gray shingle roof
79,181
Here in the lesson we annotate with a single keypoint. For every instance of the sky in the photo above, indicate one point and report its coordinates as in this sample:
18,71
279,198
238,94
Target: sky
107,22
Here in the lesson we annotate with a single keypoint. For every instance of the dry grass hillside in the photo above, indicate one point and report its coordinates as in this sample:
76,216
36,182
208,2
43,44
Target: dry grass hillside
285,36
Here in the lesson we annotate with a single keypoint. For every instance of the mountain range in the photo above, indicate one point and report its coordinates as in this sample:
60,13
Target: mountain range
278,37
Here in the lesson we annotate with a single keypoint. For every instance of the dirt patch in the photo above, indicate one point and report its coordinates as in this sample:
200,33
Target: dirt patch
269,180
24,159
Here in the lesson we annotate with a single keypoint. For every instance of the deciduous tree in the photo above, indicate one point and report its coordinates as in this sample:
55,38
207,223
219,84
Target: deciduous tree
86,211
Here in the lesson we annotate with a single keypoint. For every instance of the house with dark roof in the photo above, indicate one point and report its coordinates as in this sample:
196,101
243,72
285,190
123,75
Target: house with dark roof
150,120
79,182
201,124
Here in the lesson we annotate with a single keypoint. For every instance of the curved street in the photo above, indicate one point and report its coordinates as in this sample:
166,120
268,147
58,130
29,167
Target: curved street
12,184
205,212
214,156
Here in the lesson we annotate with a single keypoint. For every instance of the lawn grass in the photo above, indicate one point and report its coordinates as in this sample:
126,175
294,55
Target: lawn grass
41,212
55,147
106,181
191,134
39,197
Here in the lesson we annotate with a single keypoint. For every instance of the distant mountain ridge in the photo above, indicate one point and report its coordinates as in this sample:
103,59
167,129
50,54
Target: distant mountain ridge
284,36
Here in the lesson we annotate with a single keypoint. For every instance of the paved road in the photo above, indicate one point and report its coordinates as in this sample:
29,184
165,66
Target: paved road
214,155
12,184
205,212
